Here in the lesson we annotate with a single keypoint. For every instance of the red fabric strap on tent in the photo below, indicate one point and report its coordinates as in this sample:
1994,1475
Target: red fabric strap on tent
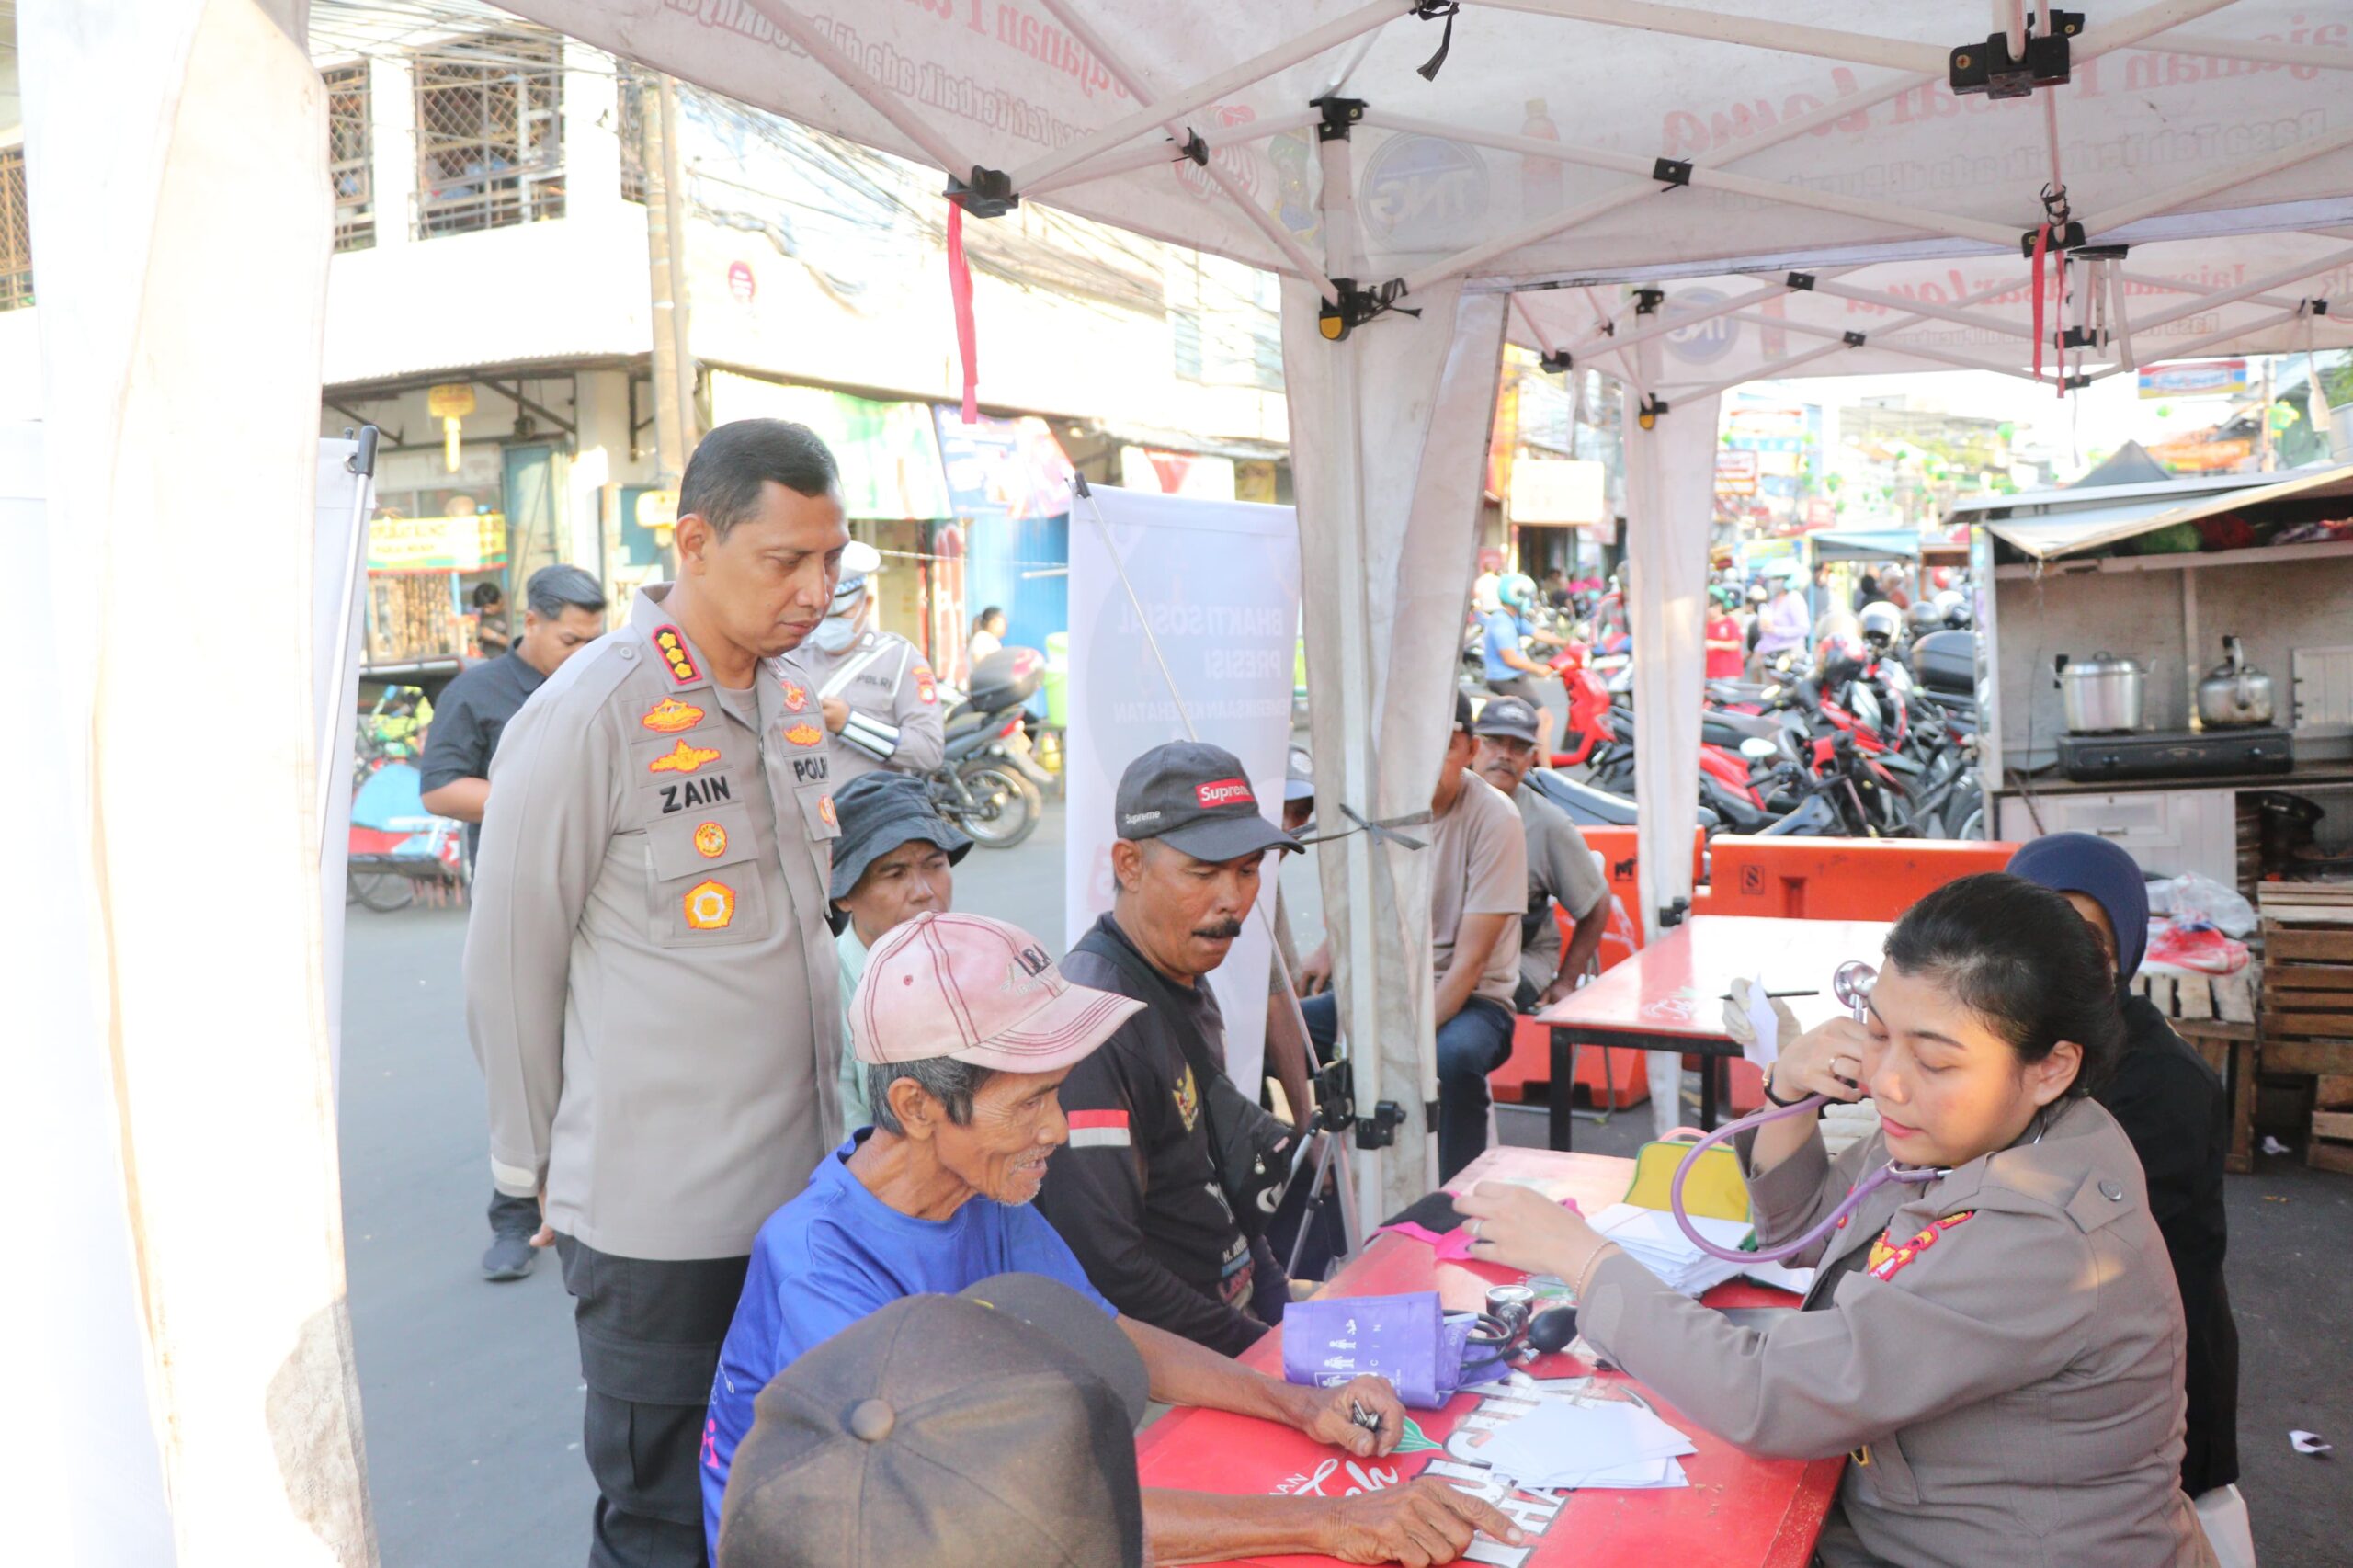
960,295
2041,242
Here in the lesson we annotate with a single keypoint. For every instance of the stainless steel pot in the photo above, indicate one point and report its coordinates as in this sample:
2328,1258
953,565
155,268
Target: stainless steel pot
2234,692
2101,693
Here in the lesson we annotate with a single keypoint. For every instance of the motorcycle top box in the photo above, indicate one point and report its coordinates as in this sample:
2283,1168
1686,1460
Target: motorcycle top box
1006,678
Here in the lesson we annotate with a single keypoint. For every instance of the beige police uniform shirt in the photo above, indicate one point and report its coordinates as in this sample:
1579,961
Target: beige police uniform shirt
650,982
882,676
2007,1374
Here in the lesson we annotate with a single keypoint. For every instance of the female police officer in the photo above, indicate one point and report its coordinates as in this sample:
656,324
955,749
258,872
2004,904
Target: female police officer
2000,1346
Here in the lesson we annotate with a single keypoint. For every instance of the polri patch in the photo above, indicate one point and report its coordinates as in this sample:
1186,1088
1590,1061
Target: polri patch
709,906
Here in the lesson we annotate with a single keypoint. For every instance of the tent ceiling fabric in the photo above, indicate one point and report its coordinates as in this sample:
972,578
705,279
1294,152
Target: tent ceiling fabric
1818,133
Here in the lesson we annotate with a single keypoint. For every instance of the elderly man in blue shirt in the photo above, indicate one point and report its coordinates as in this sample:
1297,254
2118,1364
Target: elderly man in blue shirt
967,1029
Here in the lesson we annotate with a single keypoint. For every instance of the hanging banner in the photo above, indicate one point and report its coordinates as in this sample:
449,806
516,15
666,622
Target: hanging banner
1218,584
2205,378
476,542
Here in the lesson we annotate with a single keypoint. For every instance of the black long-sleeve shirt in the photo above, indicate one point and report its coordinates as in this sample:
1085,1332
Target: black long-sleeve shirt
1134,1191
2172,1105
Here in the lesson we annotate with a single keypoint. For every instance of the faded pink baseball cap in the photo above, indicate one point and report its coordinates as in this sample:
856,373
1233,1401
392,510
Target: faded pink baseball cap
980,991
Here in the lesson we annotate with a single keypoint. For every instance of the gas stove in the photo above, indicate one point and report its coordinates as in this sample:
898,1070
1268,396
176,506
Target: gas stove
2175,753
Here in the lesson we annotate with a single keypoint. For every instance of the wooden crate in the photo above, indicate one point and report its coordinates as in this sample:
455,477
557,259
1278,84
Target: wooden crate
2308,963
2331,1148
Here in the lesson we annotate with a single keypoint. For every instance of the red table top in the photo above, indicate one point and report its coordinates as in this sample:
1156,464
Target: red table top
1739,1509
1675,986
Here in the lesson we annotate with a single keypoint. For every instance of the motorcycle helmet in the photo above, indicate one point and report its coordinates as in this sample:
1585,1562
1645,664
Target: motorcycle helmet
1924,618
1882,625
1952,605
1517,591
1756,594
860,561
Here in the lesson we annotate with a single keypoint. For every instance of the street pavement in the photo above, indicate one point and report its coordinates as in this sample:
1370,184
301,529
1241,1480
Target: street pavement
470,1391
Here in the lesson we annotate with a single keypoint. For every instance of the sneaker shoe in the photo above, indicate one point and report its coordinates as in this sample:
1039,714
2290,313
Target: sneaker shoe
509,1257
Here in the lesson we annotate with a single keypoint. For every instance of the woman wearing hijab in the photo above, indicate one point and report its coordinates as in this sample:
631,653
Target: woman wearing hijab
2172,1106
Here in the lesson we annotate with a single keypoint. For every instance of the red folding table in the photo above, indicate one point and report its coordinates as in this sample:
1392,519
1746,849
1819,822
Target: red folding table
1669,995
1739,1511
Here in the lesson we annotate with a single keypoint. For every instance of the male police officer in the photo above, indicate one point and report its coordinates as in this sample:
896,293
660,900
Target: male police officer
875,691
649,981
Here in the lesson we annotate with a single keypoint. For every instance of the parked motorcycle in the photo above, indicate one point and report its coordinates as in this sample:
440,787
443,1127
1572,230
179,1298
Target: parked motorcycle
987,783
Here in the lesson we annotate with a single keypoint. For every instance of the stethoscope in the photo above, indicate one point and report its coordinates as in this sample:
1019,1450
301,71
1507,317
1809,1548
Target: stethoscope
1852,986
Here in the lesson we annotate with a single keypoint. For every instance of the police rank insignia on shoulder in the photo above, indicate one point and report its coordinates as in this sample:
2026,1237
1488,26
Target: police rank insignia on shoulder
671,643
669,716
796,695
1889,1260
925,690
804,734
1188,1099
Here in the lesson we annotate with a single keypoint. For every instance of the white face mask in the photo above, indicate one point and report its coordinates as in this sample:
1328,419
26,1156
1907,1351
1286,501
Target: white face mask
836,632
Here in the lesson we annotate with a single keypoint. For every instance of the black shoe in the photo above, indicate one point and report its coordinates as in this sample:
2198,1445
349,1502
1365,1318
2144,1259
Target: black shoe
509,1257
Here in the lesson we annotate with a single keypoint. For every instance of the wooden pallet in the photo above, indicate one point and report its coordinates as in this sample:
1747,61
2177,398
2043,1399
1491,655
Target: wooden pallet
2183,995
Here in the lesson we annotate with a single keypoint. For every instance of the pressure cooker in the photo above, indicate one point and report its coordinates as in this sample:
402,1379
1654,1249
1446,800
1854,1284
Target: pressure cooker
2101,693
2234,692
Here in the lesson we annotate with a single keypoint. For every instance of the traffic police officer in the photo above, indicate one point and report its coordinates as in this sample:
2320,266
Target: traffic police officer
873,687
650,979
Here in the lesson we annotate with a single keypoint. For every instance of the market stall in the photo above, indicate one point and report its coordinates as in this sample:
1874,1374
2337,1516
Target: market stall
1686,198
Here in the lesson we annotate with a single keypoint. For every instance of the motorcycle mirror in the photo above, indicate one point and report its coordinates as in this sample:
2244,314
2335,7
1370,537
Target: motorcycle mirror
1757,748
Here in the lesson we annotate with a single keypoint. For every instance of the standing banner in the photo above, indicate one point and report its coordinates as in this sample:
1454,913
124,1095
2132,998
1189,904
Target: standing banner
1218,583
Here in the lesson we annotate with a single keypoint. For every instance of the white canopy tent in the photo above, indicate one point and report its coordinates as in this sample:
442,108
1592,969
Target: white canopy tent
1793,178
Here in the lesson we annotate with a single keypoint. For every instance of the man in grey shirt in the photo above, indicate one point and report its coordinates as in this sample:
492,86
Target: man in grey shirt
649,981
1560,868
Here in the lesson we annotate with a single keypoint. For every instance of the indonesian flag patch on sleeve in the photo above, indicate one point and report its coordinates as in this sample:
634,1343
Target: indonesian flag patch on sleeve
1098,1130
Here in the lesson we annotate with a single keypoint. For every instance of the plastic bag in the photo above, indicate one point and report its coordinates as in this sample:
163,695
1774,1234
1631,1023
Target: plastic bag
2192,898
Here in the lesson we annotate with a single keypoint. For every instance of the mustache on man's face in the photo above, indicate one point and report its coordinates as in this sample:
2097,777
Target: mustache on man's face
1223,930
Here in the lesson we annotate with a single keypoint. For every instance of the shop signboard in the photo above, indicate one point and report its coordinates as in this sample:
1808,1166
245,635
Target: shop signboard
2198,377
474,542
1737,472
1558,493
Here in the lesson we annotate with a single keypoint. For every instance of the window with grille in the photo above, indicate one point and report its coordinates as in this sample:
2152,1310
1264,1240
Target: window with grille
629,128
350,152
16,233
489,133
1185,329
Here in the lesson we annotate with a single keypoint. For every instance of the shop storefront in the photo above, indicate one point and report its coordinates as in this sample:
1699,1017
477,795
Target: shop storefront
447,550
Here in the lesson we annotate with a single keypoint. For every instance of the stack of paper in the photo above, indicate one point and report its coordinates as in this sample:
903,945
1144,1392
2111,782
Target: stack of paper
1658,1243
1562,1444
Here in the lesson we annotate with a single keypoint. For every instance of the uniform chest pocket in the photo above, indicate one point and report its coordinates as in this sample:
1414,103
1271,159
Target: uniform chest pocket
703,879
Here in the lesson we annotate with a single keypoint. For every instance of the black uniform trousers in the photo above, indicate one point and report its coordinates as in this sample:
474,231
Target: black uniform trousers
650,1333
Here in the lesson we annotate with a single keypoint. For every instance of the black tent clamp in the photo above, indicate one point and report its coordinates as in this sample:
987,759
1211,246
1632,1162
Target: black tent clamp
1990,69
987,194
1356,305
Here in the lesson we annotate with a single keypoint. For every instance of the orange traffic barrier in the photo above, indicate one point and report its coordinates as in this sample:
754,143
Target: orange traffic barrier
1838,878
1798,879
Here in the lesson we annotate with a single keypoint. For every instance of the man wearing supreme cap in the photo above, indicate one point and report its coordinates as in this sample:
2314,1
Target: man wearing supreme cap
1137,1193
968,1030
